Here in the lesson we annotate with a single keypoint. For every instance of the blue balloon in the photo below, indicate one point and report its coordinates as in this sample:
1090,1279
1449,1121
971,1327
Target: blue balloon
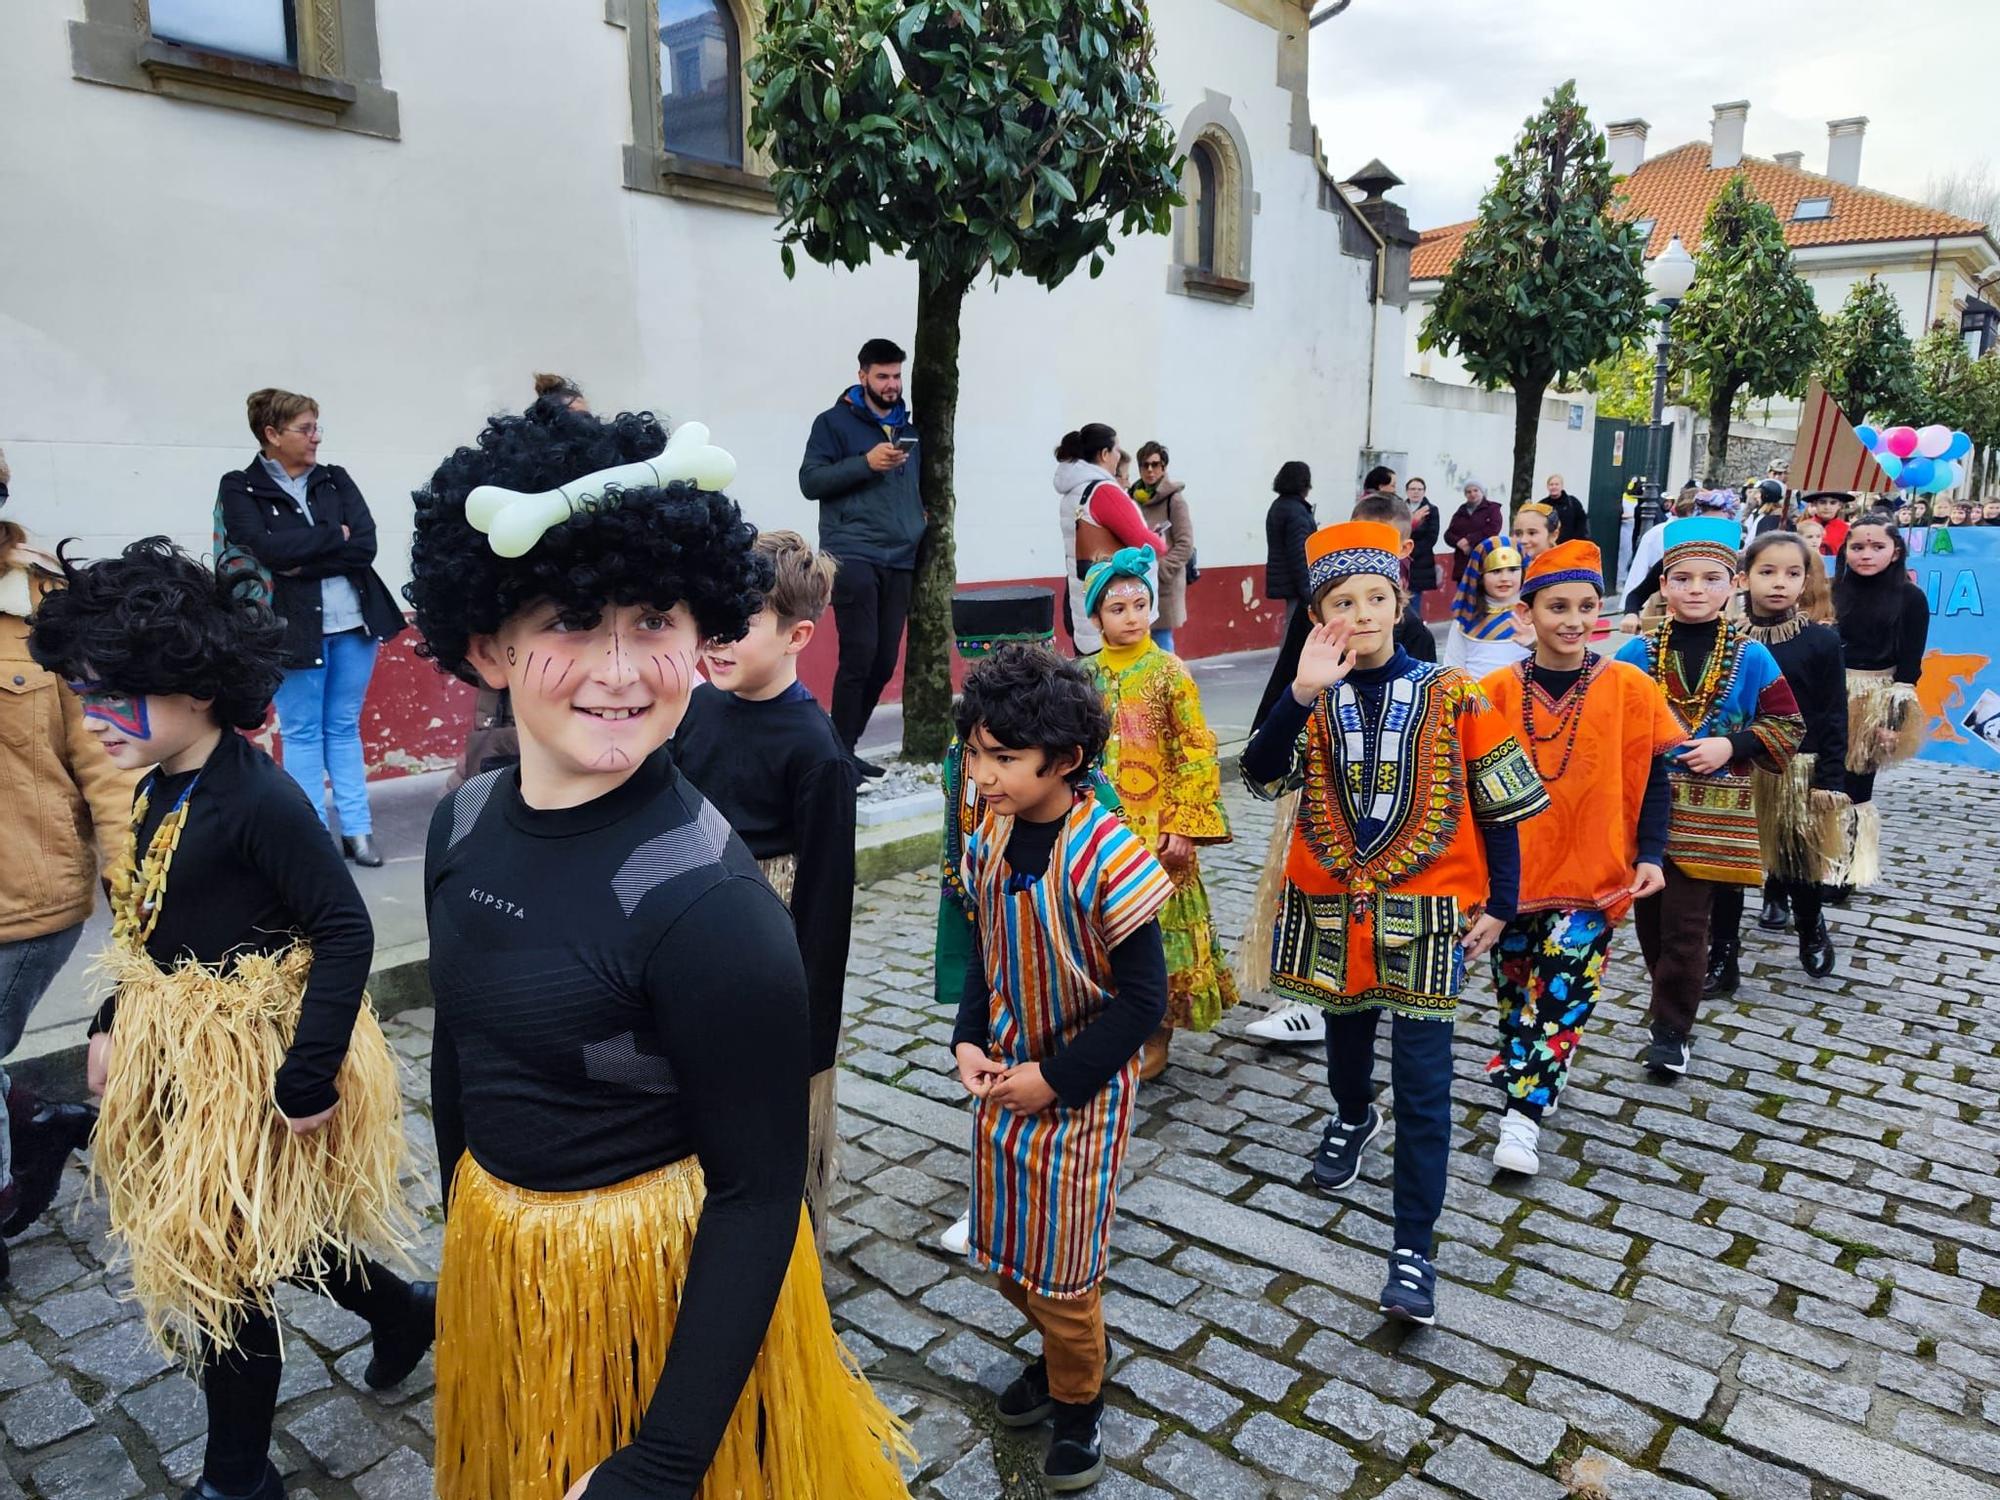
1890,465
1960,446
1917,472
1870,438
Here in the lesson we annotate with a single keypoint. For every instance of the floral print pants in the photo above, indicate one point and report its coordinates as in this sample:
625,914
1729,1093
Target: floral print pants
1546,970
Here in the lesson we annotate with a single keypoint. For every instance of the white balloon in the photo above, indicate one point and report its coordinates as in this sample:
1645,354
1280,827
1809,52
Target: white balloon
1933,440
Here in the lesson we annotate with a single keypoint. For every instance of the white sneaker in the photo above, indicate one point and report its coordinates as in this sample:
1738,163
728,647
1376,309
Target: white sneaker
1519,1136
1295,1023
957,1240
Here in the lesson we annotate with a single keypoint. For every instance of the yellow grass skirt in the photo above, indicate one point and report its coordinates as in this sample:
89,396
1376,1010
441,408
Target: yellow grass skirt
1805,835
555,1311
213,1201
1875,702
1253,954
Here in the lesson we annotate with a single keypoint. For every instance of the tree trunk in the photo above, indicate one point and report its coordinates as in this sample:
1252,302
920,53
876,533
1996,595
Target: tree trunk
1527,435
934,392
1721,398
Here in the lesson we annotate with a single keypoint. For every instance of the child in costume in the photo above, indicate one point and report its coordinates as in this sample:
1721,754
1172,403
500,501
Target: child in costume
1884,623
239,948
1534,530
1067,981
757,744
1594,731
621,1054
1738,713
1411,788
1803,816
1486,632
1412,634
1161,758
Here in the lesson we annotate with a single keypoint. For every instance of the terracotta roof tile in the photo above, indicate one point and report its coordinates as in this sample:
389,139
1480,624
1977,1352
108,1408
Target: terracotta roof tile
1675,190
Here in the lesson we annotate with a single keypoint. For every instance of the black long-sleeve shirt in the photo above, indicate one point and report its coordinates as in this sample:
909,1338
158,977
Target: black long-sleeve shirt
617,989
1139,989
1812,664
778,772
1884,625
255,872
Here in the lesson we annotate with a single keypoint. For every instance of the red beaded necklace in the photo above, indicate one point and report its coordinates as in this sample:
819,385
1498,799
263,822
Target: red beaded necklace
1569,715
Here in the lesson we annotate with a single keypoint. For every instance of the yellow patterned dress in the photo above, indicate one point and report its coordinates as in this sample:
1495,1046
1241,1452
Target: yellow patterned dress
1162,761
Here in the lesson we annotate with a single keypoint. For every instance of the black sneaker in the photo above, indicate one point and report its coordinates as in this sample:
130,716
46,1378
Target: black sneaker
1410,1294
1816,949
868,769
1027,1401
270,1487
44,1138
399,1350
1076,1453
1668,1053
1338,1160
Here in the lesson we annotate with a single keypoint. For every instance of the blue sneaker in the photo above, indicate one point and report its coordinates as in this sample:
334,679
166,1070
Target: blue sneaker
1338,1160
1411,1293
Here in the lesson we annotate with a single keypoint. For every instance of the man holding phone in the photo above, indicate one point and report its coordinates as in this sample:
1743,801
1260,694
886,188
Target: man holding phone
861,465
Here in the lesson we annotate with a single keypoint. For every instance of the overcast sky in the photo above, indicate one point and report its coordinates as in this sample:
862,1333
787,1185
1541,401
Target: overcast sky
1438,88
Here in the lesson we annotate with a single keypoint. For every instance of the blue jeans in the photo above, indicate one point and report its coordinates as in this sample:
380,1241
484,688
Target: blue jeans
1164,639
1420,1073
319,714
27,968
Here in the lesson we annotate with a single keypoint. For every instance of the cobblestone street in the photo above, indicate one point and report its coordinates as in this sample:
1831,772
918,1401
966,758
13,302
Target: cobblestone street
1778,1278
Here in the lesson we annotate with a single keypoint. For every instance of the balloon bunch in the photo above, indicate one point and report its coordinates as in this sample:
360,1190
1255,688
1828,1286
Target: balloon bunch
1923,460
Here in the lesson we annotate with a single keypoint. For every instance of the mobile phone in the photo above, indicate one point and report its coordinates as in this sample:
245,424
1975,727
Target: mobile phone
907,441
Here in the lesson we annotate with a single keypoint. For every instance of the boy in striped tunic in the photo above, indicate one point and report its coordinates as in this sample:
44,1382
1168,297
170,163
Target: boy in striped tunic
1067,979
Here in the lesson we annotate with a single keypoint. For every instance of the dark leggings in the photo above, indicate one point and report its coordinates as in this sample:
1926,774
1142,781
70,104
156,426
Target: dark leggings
1725,922
241,1385
1860,787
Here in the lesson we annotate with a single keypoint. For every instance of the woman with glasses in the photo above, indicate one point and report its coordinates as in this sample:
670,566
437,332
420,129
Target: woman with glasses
1163,502
306,524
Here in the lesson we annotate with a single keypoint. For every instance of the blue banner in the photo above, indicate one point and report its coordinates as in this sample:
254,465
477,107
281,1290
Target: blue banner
1958,568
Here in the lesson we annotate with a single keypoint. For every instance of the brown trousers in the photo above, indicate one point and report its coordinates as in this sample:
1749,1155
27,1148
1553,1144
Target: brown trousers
1072,1330
1673,934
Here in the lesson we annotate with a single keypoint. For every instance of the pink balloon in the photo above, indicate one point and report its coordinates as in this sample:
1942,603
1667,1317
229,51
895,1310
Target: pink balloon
1901,441
1933,440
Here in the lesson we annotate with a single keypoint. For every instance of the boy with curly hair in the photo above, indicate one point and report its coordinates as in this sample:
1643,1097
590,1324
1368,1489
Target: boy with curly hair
619,1073
1067,980
239,951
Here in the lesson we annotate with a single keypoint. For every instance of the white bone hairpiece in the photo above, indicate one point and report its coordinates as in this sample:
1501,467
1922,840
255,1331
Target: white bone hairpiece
514,520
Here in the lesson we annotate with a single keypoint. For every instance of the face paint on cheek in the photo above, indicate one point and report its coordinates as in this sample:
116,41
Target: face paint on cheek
126,715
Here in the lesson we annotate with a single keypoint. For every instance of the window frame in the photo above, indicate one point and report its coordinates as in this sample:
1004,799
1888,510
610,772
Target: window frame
1824,205
1212,126
335,83
649,166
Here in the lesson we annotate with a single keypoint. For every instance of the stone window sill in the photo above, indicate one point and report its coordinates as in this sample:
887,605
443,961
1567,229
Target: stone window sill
1213,284
684,177
215,77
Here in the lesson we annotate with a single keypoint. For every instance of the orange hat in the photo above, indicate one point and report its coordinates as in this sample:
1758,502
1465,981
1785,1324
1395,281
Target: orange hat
1566,562
1350,549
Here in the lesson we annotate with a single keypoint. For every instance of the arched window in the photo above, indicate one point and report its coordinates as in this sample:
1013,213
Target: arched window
701,81
1202,206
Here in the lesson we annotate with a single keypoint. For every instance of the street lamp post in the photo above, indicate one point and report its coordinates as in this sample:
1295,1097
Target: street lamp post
1670,275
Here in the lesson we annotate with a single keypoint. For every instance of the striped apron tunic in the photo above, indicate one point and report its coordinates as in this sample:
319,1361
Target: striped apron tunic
1044,1186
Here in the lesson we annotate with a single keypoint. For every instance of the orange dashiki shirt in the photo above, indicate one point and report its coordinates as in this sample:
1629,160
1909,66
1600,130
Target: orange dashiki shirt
1400,766
1594,761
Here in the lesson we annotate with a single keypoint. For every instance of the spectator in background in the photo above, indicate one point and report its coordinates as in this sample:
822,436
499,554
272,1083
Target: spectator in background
1287,524
860,466
562,389
1473,522
307,524
1771,507
1827,506
1572,520
1163,502
1989,513
1380,480
1097,517
1423,541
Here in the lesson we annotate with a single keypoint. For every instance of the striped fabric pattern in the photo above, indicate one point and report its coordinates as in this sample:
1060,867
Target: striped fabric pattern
1044,1186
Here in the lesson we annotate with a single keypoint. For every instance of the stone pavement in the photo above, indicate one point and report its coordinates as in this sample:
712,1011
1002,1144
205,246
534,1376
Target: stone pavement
1779,1278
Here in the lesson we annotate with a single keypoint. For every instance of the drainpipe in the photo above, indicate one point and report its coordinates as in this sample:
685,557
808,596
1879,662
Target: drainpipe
1930,292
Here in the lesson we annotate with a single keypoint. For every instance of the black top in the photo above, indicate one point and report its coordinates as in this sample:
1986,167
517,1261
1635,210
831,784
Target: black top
1273,748
1423,550
1138,983
778,772
1287,525
617,988
1572,520
1884,622
1656,805
1812,664
266,522
1414,636
256,873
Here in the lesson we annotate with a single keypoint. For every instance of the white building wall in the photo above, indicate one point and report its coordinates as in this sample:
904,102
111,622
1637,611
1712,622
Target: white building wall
1456,434
170,257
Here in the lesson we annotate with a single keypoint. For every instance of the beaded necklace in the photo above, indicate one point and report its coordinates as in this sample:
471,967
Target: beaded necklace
1693,708
1569,714
139,884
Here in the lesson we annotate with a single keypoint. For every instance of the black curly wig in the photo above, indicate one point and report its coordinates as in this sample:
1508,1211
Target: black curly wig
676,545
1028,698
153,620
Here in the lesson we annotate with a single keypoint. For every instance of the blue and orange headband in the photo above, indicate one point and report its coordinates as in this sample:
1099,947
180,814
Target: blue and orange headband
1566,562
1350,550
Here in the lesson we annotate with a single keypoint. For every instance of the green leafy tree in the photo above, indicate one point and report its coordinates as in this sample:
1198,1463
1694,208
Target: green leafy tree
1548,283
1866,362
1749,325
1961,392
974,137
1623,385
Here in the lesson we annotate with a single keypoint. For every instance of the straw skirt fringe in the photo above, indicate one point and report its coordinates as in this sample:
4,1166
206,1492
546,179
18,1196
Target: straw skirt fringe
212,1200
822,1149
1804,835
1253,954
555,1311
1876,701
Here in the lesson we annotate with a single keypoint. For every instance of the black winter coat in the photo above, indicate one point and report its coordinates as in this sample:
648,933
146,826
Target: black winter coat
1287,524
1423,552
262,519
863,516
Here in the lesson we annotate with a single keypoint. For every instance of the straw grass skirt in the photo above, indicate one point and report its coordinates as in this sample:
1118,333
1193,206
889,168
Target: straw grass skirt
1876,702
1253,954
1805,836
555,1311
212,1200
